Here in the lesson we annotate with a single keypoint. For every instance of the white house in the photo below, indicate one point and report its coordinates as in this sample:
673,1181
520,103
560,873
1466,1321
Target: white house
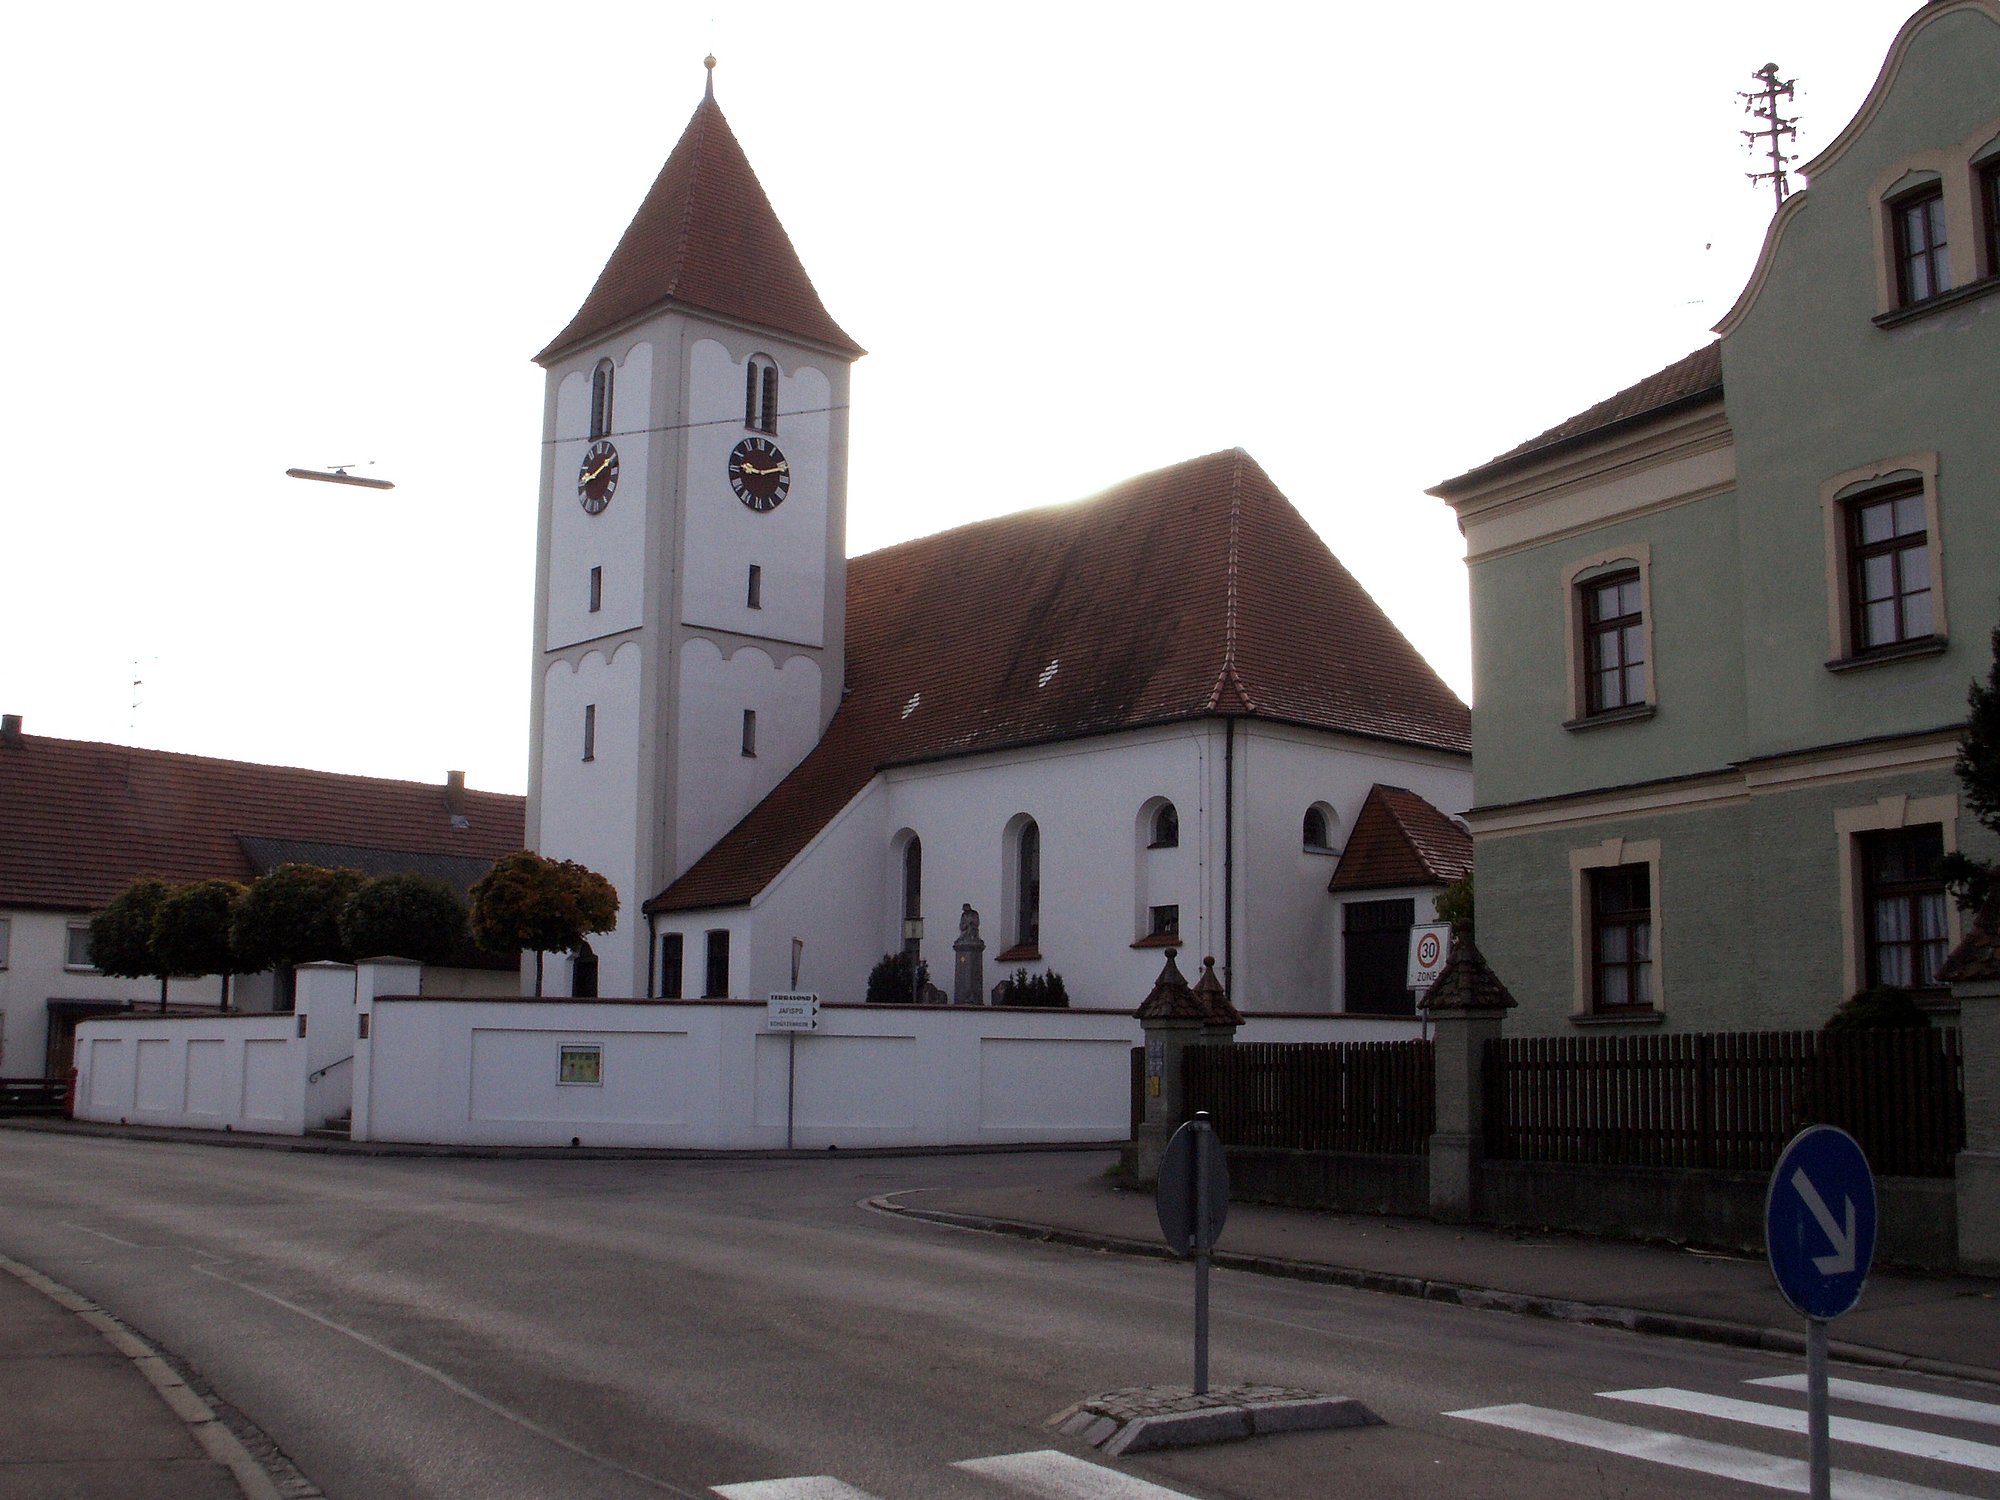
1150,717
80,821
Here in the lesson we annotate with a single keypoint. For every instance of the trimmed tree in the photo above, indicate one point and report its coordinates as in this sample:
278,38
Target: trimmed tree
526,903
407,916
191,927
121,936
1978,768
290,917
1454,905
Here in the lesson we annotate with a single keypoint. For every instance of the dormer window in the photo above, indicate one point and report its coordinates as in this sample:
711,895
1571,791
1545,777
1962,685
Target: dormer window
1923,265
600,399
760,394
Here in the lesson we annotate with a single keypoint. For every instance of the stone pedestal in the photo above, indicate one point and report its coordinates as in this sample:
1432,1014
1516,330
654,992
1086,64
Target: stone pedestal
968,952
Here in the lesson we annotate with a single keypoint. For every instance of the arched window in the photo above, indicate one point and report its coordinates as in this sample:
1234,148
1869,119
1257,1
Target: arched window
1028,886
760,394
1166,827
1318,829
913,887
583,974
600,399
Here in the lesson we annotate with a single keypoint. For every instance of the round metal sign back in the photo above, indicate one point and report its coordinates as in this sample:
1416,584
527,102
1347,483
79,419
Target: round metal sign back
1193,1152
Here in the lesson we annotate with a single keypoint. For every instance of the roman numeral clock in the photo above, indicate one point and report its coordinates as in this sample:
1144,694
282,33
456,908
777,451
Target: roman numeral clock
759,473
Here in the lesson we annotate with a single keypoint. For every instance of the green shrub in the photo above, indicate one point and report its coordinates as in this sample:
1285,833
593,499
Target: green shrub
1045,991
1883,1008
889,980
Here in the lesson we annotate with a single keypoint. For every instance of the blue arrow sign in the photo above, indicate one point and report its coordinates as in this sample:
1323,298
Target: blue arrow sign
1819,1222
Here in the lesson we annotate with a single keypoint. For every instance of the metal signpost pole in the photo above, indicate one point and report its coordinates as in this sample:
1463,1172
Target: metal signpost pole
791,1081
1203,1136
1819,1447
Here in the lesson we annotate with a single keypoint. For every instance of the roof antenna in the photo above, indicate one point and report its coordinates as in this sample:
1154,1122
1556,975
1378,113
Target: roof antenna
1763,104
708,90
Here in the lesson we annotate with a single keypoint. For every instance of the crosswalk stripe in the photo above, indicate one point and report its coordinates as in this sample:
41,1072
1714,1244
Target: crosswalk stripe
1058,1476
806,1487
1924,1403
1948,1450
1719,1459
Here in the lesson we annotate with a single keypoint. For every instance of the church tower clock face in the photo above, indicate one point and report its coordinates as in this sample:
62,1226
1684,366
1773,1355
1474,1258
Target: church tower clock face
597,478
759,473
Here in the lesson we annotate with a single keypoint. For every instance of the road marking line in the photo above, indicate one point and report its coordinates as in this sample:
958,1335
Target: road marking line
1906,1440
806,1487
1719,1459
1924,1403
1058,1476
455,1387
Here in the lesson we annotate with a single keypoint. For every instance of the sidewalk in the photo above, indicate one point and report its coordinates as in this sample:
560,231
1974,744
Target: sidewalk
94,1414
1933,1324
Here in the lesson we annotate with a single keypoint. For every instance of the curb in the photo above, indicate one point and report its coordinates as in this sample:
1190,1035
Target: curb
1463,1294
203,1425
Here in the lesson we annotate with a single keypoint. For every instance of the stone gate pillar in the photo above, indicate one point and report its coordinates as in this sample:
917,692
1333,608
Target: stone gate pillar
1466,1005
1973,970
1173,1017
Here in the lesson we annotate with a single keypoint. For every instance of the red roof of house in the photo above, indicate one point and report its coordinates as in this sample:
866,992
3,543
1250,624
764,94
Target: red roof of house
81,821
1400,839
1191,592
705,237
1698,377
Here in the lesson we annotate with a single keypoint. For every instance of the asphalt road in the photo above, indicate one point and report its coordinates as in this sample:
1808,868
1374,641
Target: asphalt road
481,1328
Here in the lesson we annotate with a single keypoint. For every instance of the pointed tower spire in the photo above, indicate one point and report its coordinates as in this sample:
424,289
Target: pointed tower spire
706,238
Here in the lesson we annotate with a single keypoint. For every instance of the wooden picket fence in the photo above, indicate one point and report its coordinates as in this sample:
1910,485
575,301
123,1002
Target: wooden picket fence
1376,1098
1727,1100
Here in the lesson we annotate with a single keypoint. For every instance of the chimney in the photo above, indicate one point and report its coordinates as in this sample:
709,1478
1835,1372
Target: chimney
454,793
10,729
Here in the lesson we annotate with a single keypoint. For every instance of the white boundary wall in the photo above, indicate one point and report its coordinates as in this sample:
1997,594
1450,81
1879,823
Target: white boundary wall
708,1075
228,1071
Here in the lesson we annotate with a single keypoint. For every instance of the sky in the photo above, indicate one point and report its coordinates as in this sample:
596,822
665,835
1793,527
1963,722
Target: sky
1373,245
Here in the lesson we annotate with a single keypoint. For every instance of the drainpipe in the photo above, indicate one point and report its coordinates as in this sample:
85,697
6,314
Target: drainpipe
652,951
1229,855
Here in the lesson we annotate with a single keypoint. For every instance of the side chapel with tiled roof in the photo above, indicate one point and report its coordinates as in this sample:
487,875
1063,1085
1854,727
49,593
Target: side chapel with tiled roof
1149,716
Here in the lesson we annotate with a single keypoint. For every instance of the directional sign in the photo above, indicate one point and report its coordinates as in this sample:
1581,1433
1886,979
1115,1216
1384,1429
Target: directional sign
1193,1169
793,1013
1819,1222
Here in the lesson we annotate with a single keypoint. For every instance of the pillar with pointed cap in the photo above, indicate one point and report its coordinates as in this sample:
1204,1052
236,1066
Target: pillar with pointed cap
1973,972
1174,1016
1466,1006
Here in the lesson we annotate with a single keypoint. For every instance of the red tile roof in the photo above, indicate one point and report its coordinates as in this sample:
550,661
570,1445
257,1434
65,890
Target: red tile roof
1192,592
1698,377
80,821
705,237
1400,839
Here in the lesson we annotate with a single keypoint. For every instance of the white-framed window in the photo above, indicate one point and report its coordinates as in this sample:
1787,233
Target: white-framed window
601,380
1896,923
753,596
750,732
596,590
1885,587
1608,598
1317,828
760,394
76,947
1619,973
590,731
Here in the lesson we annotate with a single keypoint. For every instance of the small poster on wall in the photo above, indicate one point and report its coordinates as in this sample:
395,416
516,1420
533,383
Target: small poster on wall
581,1064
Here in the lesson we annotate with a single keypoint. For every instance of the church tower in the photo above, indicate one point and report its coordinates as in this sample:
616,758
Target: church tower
690,558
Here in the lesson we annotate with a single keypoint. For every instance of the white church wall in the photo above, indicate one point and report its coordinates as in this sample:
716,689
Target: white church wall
240,1072
586,804
711,1076
1288,932
788,543
718,783
615,538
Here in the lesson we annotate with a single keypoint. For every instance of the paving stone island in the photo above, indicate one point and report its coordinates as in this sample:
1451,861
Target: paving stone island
1145,1417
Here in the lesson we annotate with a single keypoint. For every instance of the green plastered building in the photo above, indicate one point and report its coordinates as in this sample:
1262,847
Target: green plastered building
1724,621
